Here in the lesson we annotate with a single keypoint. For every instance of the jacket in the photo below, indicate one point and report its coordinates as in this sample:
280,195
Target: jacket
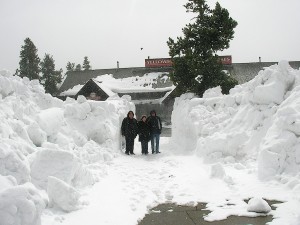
129,127
144,131
155,124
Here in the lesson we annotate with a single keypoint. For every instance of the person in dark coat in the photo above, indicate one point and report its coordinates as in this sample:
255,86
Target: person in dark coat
144,134
129,129
155,129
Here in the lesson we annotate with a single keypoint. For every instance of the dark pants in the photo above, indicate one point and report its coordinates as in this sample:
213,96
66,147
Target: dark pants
144,144
129,144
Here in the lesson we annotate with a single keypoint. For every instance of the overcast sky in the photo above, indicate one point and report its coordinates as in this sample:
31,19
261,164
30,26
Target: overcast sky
108,31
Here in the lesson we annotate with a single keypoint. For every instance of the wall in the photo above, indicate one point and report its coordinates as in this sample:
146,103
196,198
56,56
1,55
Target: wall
245,72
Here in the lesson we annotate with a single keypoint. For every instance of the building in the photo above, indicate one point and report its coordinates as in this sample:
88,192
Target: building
158,95
148,88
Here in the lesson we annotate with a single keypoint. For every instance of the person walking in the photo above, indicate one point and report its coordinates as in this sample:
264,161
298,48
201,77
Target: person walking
144,134
129,129
155,129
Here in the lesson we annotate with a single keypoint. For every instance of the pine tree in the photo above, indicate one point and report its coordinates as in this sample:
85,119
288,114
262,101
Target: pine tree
196,64
50,77
86,64
70,66
78,67
29,63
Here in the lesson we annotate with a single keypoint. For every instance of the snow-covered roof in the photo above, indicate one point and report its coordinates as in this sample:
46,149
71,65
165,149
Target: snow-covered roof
108,91
74,78
150,82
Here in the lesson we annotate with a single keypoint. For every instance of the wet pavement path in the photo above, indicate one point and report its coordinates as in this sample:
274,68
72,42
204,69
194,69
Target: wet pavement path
172,214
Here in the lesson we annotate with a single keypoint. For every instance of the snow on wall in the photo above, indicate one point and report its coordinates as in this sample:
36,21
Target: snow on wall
257,120
43,139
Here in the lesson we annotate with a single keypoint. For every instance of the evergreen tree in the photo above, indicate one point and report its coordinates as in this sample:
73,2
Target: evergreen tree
70,66
78,67
29,63
196,65
86,64
50,77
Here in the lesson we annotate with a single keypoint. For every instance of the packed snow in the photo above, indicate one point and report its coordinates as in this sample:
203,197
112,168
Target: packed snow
60,162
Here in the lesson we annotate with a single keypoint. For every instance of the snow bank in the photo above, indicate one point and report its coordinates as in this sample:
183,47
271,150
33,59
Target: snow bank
257,120
52,145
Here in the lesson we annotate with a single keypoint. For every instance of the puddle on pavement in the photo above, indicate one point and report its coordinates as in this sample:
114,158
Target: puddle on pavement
172,214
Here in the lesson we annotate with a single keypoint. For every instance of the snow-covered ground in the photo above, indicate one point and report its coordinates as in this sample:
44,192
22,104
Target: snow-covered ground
60,162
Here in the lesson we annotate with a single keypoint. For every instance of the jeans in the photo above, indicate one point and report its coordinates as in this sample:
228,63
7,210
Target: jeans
155,140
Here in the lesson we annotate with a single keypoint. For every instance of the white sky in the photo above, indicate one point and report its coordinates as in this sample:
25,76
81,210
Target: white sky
115,30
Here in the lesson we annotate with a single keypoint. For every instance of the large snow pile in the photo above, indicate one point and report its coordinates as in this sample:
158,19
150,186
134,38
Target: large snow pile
49,147
258,120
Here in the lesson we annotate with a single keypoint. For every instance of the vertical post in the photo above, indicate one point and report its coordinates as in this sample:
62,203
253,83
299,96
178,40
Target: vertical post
118,64
259,59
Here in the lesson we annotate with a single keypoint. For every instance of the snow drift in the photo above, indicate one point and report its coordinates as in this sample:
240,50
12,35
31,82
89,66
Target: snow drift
257,120
50,146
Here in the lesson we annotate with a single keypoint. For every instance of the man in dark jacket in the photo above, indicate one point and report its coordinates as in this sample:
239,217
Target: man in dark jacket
155,129
129,129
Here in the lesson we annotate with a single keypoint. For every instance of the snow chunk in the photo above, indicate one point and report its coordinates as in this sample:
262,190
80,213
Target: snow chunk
51,120
57,163
213,92
77,111
217,171
5,73
5,86
36,134
258,205
21,205
13,162
81,99
62,195
275,82
6,182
